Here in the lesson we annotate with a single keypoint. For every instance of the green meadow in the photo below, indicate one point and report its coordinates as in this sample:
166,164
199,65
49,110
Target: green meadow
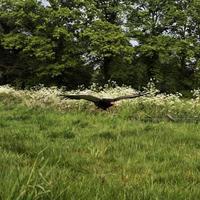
49,154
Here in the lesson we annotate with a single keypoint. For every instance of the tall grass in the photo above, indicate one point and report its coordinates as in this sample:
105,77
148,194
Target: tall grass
52,148
152,107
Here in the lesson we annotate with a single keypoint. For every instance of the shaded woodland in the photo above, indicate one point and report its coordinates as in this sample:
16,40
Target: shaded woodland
75,42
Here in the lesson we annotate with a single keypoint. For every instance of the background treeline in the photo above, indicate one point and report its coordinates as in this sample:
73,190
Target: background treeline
75,42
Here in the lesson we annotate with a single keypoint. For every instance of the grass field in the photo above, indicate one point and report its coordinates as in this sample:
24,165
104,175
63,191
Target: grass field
77,154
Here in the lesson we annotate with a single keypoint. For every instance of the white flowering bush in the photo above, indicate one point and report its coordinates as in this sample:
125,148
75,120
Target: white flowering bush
151,106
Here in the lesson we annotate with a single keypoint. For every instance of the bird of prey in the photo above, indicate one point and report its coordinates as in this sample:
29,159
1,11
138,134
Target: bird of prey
103,103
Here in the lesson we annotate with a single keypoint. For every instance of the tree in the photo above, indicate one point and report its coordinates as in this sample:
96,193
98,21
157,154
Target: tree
74,42
23,46
43,42
167,45
106,42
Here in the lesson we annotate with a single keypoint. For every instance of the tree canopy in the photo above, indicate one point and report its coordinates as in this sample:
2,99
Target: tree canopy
74,42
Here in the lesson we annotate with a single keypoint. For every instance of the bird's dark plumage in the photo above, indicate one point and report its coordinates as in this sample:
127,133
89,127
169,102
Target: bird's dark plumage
103,103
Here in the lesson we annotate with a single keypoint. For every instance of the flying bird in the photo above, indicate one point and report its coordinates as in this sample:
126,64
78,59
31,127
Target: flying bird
103,103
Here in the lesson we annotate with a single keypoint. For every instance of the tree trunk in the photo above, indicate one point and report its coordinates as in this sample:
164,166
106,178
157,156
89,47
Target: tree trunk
106,69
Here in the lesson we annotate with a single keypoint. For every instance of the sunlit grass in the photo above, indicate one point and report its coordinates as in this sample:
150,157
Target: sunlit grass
132,151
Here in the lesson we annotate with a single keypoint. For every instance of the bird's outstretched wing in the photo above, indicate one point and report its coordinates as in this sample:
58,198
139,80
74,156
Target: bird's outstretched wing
82,96
126,97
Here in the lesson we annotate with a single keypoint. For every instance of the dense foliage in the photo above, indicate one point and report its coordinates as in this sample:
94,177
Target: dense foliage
71,43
